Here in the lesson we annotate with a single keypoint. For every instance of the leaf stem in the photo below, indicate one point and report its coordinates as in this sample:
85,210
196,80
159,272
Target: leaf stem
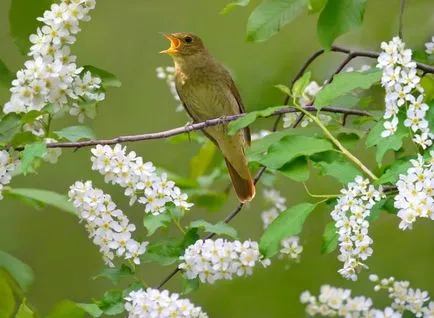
327,196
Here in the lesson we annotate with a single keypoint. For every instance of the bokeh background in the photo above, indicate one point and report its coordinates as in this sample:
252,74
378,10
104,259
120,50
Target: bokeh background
123,38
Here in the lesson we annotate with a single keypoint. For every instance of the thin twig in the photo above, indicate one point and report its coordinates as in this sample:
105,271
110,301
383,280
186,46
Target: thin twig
401,18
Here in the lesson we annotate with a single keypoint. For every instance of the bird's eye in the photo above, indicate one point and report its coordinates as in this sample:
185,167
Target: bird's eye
188,39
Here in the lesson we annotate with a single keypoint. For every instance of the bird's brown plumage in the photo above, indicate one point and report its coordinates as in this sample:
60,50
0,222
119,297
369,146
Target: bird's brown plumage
207,91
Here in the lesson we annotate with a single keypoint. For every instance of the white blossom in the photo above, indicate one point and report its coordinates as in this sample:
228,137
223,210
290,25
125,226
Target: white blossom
212,260
261,134
8,163
160,304
168,73
430,46
140,179
350,214
52,154
108,227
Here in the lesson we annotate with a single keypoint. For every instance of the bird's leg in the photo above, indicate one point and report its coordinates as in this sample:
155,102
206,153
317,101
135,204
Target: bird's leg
189,127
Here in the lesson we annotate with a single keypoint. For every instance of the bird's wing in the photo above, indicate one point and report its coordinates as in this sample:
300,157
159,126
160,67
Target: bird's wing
237,96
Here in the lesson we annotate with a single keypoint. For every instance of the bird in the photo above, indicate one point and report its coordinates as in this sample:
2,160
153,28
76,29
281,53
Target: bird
207,91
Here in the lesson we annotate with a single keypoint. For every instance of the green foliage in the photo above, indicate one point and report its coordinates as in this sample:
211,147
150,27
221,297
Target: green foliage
116,274
288,223
76,133
92,309
339,17
270,16
10,125
43,197
189,285
316,6
108,79
391,175
67,308
22,20
297,169
24,311
330,238
6,76
7,300
300,85
153,222
291,147
19,271
250,118
219,228
31,153
427,82
335,165
112,303
200,163
212,200
237,3
344,83
23,138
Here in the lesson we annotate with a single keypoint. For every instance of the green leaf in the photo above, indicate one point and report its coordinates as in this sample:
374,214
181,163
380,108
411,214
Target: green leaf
31,153
10,125
212,200
330,238
300,85
376,210
116,274
316,6
344,83
392,173
297,169
44,197
108,79
270,16
189,285
76,133
202,161
7,300
91,309
230,6
284,89
22,20
66,308
430,115
112,303
153,222
288,223
218,228
23,138
6,76
250,118
164,252
291,147
339,17
24,311
335,165
19,271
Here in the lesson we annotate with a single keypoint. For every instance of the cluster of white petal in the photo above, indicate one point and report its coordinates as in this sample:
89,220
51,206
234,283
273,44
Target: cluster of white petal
8,163
290,246
160,304
429,46
168,73
404,297
402,85
415,196
350,214
51,76
140,179
108,227
212,260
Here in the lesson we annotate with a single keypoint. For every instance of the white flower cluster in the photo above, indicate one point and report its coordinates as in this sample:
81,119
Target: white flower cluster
140,180
415,196
8,163
52,154
402,85
337,302
168,73
51,75
108,226
211,260
290,246
350,214
429,46
160,304
404,297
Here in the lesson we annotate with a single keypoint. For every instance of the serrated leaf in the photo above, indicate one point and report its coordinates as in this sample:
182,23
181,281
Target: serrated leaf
22,20
339,17
153,222
24,311
230,6
189,285
44,197
300,85
335,165
376,210
76,133
115,274
218,228
10,125
19,271
164,252
6,76
330,238
31,153
391,175
270,16
108,79
7,300
200,163
297,169
112,303
291,147
288,223
344,83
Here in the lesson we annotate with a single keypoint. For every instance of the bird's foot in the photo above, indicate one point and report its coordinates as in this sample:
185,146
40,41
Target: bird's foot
189,128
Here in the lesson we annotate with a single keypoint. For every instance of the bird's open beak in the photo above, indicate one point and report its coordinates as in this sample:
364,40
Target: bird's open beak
174,44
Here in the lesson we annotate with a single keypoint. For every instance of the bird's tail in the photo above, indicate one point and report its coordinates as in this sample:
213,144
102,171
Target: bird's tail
244,188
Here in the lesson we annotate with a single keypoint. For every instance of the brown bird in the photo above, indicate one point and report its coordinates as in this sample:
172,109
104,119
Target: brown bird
207,91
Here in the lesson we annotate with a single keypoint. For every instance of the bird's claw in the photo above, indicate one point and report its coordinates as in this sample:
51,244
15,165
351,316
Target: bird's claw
189,127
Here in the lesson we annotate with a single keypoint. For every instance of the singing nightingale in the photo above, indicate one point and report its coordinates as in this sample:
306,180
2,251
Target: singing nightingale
207,91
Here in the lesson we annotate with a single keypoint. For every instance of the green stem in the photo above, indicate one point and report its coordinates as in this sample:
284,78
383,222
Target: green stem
344,150
327,196
48,125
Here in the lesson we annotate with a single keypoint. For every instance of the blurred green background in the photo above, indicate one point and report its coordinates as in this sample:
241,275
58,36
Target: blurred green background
123,38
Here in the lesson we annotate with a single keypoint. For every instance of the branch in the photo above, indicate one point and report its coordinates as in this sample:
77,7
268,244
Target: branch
193,127
401,17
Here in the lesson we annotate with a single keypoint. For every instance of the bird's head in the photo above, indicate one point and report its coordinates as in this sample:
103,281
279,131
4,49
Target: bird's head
183,44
